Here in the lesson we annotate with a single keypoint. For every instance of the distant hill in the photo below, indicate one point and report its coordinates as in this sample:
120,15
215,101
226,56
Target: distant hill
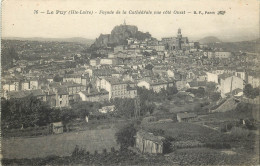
73,39
244,46
209,39
119,36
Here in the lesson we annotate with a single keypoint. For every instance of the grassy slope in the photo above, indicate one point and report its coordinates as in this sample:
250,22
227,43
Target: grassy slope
60,145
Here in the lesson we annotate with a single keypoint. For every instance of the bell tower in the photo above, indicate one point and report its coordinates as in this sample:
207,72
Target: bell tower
179,35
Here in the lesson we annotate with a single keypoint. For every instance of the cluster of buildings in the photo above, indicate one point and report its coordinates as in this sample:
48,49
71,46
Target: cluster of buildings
230,80
152,64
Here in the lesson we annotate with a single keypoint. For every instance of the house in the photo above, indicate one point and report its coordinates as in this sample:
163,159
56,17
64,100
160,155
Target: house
11,87
62,98
116,87
148,143
240,73
106,61
186,117
94,95
76,78
208,54
170,73
70,87
182,85
218,54
34,84
212,77
219,70
94,62
223,54
49,79
228,83
254,80
157,47
25,85
155,85
56,128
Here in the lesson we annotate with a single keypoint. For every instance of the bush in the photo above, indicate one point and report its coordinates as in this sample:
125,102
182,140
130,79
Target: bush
167,146
113,150
105,151
125,136
75,151
227,127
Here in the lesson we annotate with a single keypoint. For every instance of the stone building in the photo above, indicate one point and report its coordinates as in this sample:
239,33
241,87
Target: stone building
176,43
148,143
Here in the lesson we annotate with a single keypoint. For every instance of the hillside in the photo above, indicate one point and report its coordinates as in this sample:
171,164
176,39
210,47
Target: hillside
8,54
73,39
119,36
209,39
244,46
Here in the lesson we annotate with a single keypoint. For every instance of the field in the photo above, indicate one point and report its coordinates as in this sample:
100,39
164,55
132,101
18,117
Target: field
60,145
184,131
197,141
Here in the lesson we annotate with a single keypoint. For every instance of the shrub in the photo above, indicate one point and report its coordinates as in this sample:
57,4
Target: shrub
113,150
167,146
105,151
125,136
75,151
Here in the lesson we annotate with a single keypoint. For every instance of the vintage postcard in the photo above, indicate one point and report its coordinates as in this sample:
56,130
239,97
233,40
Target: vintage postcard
130,82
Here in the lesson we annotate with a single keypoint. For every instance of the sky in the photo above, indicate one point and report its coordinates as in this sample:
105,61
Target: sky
240,21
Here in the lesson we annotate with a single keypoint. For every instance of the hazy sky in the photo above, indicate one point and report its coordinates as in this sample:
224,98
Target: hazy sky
241,20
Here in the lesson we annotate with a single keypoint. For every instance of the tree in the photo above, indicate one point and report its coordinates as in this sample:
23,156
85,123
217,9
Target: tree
251,92
215,96
146,53
167,145
149,67
27,112
125,106
125,136
57,78
8,55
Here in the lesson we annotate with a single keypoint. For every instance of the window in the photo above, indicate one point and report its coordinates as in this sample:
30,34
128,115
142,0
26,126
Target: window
60,102
60,96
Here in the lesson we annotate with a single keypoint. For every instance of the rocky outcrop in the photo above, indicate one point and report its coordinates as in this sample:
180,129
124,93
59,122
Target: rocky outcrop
119,36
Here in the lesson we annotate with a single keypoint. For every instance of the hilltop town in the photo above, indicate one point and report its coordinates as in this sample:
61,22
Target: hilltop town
169,98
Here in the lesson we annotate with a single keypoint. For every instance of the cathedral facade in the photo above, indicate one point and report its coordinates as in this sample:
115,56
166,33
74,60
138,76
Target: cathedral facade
176,43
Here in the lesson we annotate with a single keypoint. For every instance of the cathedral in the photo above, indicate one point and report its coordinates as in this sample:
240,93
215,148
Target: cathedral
176,43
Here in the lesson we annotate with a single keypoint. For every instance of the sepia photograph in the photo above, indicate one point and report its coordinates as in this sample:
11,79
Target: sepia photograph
130,82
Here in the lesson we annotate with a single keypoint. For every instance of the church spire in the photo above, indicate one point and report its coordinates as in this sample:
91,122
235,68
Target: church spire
124,22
